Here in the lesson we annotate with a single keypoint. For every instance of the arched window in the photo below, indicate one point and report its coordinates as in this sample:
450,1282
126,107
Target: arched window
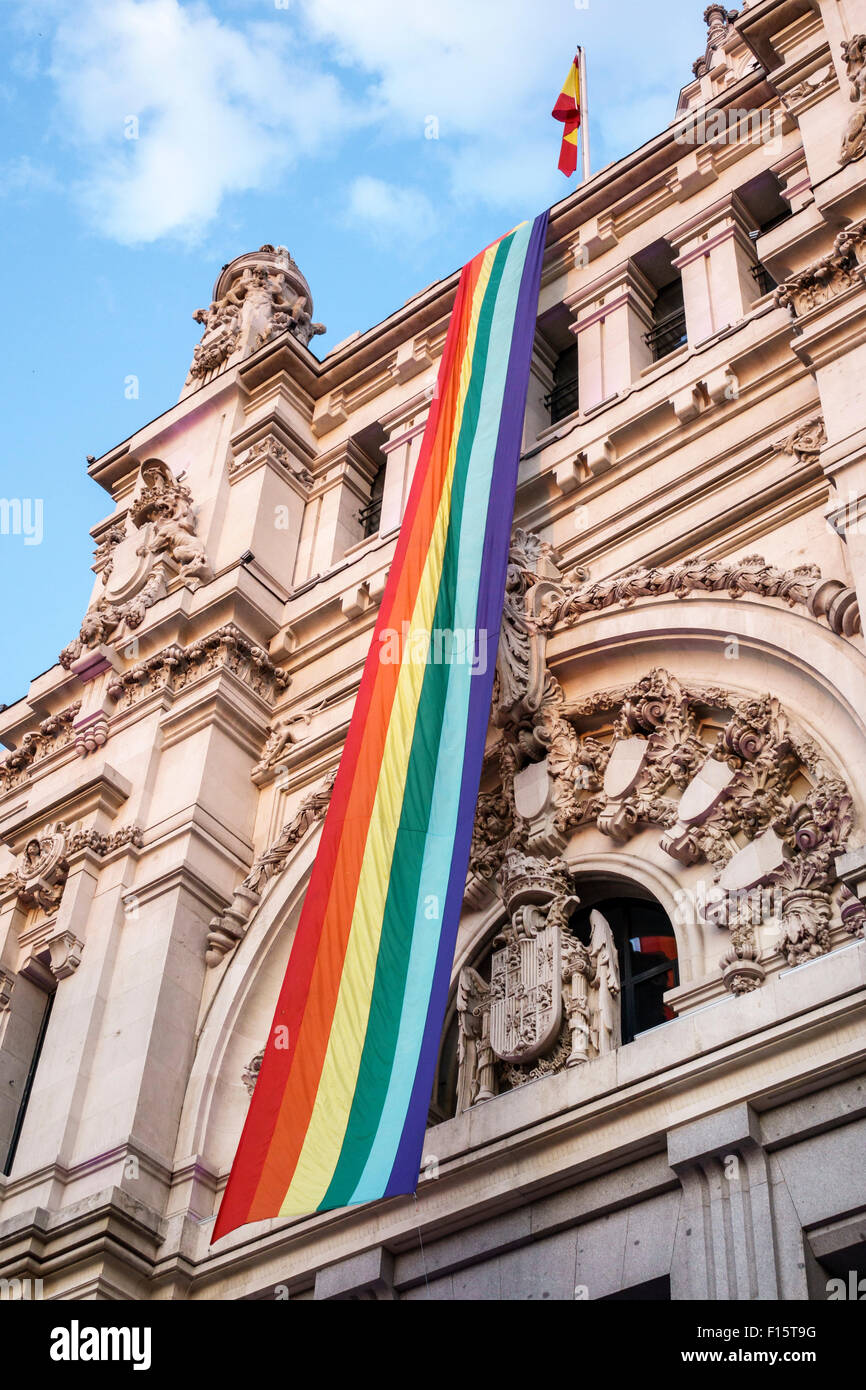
618,960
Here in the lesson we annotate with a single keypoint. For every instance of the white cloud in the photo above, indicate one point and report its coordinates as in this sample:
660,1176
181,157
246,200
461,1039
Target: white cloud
218,111
490,71
391,214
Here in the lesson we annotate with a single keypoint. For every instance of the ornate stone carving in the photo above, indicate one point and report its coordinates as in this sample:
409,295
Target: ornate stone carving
525,983
250,1073
854,139
852,912
164,543
551,1001
759,804
718,21
802,586
534,581
270,450
103,556
53,733
41,869
166,504
176,667
284,735
806,441
840,270
262,296
228,926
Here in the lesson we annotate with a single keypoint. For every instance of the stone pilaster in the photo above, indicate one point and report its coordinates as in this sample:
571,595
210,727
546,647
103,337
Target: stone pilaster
725,1246
611,316
715,259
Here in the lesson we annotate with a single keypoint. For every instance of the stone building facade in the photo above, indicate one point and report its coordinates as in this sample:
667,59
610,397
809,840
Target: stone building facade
652,1081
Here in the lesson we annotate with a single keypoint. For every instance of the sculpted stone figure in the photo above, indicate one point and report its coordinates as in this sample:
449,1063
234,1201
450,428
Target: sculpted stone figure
164,516
267,296
854,139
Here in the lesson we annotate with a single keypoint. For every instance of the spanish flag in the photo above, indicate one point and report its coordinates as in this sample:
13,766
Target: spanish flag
567,110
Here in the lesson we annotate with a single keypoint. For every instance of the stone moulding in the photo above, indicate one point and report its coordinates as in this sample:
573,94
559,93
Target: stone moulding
228,926
52,734
176,667
801,587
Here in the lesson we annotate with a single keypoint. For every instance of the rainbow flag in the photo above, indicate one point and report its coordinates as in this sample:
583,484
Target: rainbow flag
567,110
340,1106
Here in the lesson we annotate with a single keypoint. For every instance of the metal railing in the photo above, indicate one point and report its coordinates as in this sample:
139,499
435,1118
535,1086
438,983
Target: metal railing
762,278
370,516
667,335
562,400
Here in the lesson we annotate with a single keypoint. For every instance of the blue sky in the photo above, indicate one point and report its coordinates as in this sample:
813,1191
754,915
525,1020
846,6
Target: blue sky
301,122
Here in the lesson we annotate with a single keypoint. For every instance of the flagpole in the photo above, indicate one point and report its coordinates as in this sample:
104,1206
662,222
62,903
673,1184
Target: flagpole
584,112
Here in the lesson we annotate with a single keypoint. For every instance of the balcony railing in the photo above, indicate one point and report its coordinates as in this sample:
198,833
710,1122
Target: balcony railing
562,400
762,278
667,335
370,516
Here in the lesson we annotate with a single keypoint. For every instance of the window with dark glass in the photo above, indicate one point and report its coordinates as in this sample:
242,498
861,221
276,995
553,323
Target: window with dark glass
647,951
669,321
370,515
764,203
563,399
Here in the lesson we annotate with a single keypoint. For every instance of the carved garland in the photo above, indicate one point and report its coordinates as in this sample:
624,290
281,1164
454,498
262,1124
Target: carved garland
176,667
42,868
825,279
803,586
53,733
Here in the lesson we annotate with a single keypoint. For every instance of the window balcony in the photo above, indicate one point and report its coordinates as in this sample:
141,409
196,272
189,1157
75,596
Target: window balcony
562,400
667,334
762,278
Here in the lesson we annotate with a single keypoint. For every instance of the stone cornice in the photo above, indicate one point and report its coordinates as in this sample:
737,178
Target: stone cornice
804,587
97,793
